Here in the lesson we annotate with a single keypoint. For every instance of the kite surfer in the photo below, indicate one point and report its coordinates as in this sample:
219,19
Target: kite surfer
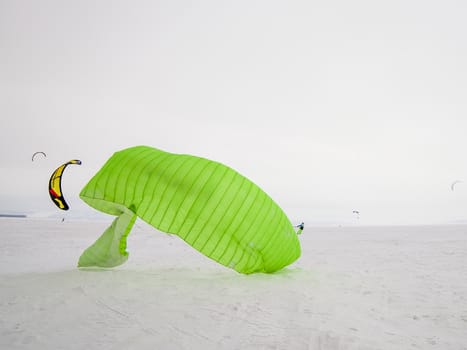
300,228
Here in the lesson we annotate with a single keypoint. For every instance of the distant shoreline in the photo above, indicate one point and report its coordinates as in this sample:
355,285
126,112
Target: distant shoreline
12,216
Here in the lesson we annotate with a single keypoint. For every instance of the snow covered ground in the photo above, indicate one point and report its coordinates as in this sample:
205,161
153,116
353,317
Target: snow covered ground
394,287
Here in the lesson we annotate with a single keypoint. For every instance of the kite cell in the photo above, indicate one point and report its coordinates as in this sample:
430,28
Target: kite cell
210,206
34,155
55,185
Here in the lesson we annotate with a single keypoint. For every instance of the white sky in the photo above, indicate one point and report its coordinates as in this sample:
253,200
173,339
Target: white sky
329,106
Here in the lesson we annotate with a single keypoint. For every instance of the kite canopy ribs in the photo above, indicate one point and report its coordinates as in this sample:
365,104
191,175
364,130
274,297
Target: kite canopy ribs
209,205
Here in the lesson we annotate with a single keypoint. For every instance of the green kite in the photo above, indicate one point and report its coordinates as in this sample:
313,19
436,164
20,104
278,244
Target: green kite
210,206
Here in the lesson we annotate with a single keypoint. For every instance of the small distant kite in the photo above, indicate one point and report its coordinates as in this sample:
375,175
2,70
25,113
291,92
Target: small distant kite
357,213
55,185
454,184
36,153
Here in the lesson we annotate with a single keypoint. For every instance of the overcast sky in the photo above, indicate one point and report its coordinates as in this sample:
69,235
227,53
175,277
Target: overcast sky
329,106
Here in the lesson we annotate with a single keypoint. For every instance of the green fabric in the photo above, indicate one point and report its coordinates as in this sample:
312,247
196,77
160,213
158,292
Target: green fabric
110,249
213,208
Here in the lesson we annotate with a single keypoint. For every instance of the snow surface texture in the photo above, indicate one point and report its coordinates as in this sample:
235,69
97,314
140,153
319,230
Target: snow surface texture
353,288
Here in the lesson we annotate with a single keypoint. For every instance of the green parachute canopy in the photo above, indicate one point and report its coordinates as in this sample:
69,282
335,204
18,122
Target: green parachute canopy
210,206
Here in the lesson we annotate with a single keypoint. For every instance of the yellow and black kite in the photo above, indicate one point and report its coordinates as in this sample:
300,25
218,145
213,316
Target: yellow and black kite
55,185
